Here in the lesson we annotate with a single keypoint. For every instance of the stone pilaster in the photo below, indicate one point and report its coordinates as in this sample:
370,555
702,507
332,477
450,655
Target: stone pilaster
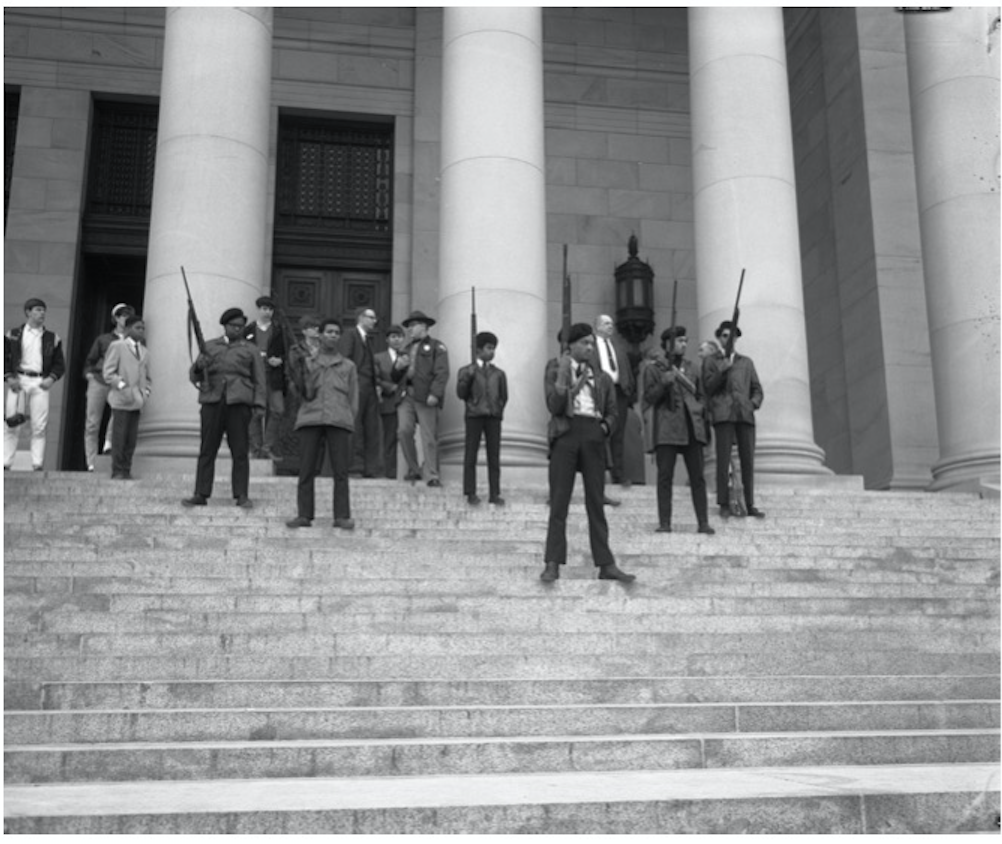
210,199
953,72
493,213
745,217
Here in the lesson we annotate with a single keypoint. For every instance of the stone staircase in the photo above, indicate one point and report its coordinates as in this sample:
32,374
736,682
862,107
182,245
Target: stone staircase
833,668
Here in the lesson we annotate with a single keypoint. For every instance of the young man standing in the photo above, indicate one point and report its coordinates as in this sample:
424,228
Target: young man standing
126,371
484,389
735,393
359,346
97,389
582,415
231,384
671,387
328,384
389,395
424,382
33,362
272,346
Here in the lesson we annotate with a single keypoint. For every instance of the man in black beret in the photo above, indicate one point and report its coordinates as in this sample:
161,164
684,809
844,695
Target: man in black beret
734,393
231,384
582,404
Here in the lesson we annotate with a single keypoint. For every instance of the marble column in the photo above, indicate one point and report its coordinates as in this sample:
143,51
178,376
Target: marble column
745,217
953,73
210,199
493,215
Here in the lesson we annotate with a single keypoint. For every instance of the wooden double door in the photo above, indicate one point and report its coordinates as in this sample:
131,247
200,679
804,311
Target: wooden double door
303,291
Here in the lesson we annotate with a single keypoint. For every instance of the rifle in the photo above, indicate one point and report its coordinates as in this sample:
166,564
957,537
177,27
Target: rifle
194,327
679,375
565,310
473,324
288,336
729,347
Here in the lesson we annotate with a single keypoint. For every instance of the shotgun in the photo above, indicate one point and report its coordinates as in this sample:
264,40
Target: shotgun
194,327
473,324
729,346
565,308
679,375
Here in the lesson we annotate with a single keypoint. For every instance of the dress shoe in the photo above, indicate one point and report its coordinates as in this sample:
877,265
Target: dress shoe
473,499
705,528
298,522
612,572
195,501
754,511
497,500
663,529
610,502
550,573
412,477
345,524
725,512
245,502
434,482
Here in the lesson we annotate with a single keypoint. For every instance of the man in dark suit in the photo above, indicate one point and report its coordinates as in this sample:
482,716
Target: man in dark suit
358,345
272,345
613,357
582,409
390,394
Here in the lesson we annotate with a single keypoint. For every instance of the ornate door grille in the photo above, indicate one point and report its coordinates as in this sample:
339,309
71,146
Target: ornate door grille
123,155
335,176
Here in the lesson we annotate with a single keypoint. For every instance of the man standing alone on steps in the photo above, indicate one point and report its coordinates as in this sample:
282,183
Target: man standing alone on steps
328,385
582,415
358,344
32,362
231,384
734,393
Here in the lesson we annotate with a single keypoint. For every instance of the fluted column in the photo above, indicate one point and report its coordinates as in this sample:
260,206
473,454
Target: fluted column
493,213
209,199
745,216
953,73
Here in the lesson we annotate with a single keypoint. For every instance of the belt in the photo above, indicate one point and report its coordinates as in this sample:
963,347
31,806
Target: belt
30,373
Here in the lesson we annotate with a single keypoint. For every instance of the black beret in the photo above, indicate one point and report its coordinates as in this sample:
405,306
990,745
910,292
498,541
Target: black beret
671,333
265,302
231,314
578,331
724,326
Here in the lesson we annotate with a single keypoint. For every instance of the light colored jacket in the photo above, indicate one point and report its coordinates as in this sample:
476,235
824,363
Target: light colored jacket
127,376
329,388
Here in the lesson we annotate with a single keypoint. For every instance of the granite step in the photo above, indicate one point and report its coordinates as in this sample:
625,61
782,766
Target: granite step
909,799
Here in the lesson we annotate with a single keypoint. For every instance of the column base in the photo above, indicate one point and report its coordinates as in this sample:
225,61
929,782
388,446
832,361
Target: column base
517,449
966,473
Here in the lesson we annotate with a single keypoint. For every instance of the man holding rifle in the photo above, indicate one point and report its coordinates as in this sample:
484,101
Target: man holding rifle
734,393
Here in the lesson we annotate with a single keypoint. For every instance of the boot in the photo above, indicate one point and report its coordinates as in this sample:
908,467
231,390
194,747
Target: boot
550,573
612,572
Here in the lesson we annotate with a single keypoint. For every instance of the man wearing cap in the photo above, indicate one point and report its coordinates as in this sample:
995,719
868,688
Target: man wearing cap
390,394
423,382
33,362
672,390
358,344
582,405
734,393
97,388
230,379
272,345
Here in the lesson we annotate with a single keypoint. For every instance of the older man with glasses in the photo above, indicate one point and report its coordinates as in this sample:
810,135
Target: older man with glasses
358,344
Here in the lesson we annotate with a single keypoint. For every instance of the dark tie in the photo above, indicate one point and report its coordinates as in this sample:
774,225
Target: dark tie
612,356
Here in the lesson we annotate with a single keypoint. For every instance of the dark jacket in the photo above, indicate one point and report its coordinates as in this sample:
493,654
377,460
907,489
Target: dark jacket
734,392
627,383
278,347
561,404
362,355
329,386
53,362
484,389
430,362
669,404
390,393
94,362
233,372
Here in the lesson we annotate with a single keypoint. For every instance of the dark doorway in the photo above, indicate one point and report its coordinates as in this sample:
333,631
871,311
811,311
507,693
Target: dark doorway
105,281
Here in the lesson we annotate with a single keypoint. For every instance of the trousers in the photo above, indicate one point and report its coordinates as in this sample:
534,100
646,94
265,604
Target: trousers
233,420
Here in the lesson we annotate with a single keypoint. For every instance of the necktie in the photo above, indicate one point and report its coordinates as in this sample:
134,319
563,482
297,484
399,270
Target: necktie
611,355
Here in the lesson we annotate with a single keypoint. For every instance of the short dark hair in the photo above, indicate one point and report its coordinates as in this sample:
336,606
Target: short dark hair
132,319
34,303
309,321
485,338
329,321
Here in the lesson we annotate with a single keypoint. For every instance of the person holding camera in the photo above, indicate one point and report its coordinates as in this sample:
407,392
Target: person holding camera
33,362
